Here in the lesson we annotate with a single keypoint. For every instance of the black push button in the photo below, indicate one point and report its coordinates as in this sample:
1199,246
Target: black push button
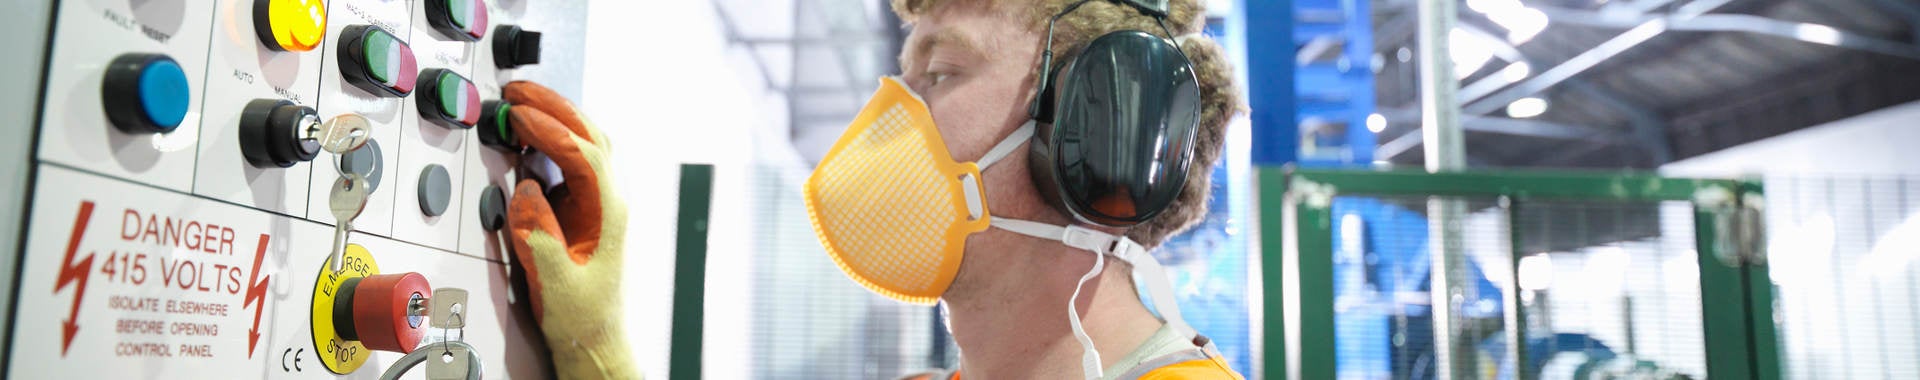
515,47
494,130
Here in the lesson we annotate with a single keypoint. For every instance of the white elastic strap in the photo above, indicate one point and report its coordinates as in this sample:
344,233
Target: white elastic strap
1089,356
1145,267
1006,146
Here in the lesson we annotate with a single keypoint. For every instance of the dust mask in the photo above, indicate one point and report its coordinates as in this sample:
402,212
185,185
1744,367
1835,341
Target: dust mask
894,209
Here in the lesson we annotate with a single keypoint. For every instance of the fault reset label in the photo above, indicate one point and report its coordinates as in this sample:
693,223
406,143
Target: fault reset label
118,278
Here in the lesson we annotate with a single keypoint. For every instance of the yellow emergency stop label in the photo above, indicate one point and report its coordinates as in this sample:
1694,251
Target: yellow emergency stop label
340,355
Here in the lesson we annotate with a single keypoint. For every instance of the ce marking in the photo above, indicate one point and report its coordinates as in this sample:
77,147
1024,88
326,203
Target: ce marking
296,359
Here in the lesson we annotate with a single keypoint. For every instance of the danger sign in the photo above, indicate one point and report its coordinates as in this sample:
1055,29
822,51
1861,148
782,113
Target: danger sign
140,277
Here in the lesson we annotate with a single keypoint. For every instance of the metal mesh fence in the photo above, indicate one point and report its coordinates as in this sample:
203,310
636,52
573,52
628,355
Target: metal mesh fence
808,320
1606,288
1841,254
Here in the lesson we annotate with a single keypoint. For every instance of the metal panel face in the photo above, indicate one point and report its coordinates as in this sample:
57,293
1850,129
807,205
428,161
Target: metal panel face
176,254
74,126
239,70
160,283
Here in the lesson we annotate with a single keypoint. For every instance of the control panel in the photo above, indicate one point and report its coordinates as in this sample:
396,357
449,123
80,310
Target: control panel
294,189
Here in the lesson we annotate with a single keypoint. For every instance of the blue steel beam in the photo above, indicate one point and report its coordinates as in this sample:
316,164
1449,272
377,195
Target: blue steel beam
1270,75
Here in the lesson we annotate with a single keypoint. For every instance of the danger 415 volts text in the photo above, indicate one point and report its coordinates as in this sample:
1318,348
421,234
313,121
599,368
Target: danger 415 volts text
175,271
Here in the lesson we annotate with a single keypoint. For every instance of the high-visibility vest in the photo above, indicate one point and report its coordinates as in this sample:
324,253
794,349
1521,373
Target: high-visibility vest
1195,363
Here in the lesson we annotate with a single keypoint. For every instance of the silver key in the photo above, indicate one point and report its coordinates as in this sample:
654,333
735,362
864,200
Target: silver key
452,361
343,133
449,308
349,197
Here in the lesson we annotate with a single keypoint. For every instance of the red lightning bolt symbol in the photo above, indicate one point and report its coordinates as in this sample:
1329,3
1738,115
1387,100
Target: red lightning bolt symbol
71,272
256,294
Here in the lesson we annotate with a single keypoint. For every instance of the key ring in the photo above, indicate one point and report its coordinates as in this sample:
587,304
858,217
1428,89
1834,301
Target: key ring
406,363
444,348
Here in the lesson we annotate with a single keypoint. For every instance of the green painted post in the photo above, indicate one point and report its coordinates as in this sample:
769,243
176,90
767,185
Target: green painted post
1315,264
1516,315
1759,285
690,270
1273,224
1723,310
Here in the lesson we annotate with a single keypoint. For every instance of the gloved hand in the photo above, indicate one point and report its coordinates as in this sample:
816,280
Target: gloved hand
571,249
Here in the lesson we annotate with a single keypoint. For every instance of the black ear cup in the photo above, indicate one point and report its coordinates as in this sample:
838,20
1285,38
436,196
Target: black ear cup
1124,116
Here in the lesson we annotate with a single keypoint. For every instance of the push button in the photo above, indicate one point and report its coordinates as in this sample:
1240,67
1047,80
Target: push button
145,93
290,25
384,311
435,191
274,133
515,47
495,132
460,20
448,98
373,60
366,162
493,208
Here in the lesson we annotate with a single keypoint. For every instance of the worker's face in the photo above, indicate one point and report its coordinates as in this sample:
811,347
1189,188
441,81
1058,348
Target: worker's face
975,68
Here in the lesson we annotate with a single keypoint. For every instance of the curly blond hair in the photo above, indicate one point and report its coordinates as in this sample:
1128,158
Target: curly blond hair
1219,98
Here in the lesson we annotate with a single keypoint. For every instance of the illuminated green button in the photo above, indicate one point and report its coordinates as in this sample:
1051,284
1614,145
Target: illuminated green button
376,61
462,20
448,98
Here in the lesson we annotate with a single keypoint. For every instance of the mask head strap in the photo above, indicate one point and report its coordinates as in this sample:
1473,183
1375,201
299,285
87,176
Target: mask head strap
1145,268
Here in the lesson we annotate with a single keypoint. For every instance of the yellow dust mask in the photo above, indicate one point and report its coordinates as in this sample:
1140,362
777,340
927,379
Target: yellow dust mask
891,206
894,209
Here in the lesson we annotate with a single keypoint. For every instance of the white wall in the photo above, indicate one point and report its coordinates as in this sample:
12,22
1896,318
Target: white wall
1841,217
664,84
1880,142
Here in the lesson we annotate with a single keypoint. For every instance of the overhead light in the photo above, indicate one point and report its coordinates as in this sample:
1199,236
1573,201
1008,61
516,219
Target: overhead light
1469,52
1816,33
1536,272
1376,123
1517,71
1521,22
1490,6
1527,107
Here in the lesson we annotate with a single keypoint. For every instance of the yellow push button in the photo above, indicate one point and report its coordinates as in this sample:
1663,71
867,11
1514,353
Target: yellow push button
290,25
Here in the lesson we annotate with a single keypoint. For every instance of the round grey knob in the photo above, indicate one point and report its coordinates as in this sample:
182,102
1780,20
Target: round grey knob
436,190
493,208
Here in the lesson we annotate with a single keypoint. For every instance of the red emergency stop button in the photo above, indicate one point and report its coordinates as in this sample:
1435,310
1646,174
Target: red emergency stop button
386,312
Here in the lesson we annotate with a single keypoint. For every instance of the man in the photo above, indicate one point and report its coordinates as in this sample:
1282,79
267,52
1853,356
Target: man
974,64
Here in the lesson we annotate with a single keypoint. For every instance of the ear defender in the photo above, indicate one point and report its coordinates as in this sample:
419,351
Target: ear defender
1115,124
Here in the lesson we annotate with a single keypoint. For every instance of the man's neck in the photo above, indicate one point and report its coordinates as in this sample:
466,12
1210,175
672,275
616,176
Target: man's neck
1026,335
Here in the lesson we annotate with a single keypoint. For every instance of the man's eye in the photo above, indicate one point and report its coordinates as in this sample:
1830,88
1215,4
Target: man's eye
934,78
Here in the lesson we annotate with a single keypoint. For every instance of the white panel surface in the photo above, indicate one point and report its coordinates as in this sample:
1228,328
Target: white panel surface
89,34
240,70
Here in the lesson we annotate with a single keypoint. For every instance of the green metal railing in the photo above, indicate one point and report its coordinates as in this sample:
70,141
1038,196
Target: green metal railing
690,270
1296,214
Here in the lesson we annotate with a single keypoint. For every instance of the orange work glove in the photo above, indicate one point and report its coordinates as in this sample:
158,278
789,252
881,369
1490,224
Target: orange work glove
572,249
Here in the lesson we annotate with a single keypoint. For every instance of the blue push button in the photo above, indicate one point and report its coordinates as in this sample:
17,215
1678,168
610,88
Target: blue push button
145,93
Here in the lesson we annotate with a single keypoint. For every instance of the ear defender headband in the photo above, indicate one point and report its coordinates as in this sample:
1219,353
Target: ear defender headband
1115,134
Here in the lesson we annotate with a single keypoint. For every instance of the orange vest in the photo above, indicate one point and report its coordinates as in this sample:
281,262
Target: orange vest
1183,366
